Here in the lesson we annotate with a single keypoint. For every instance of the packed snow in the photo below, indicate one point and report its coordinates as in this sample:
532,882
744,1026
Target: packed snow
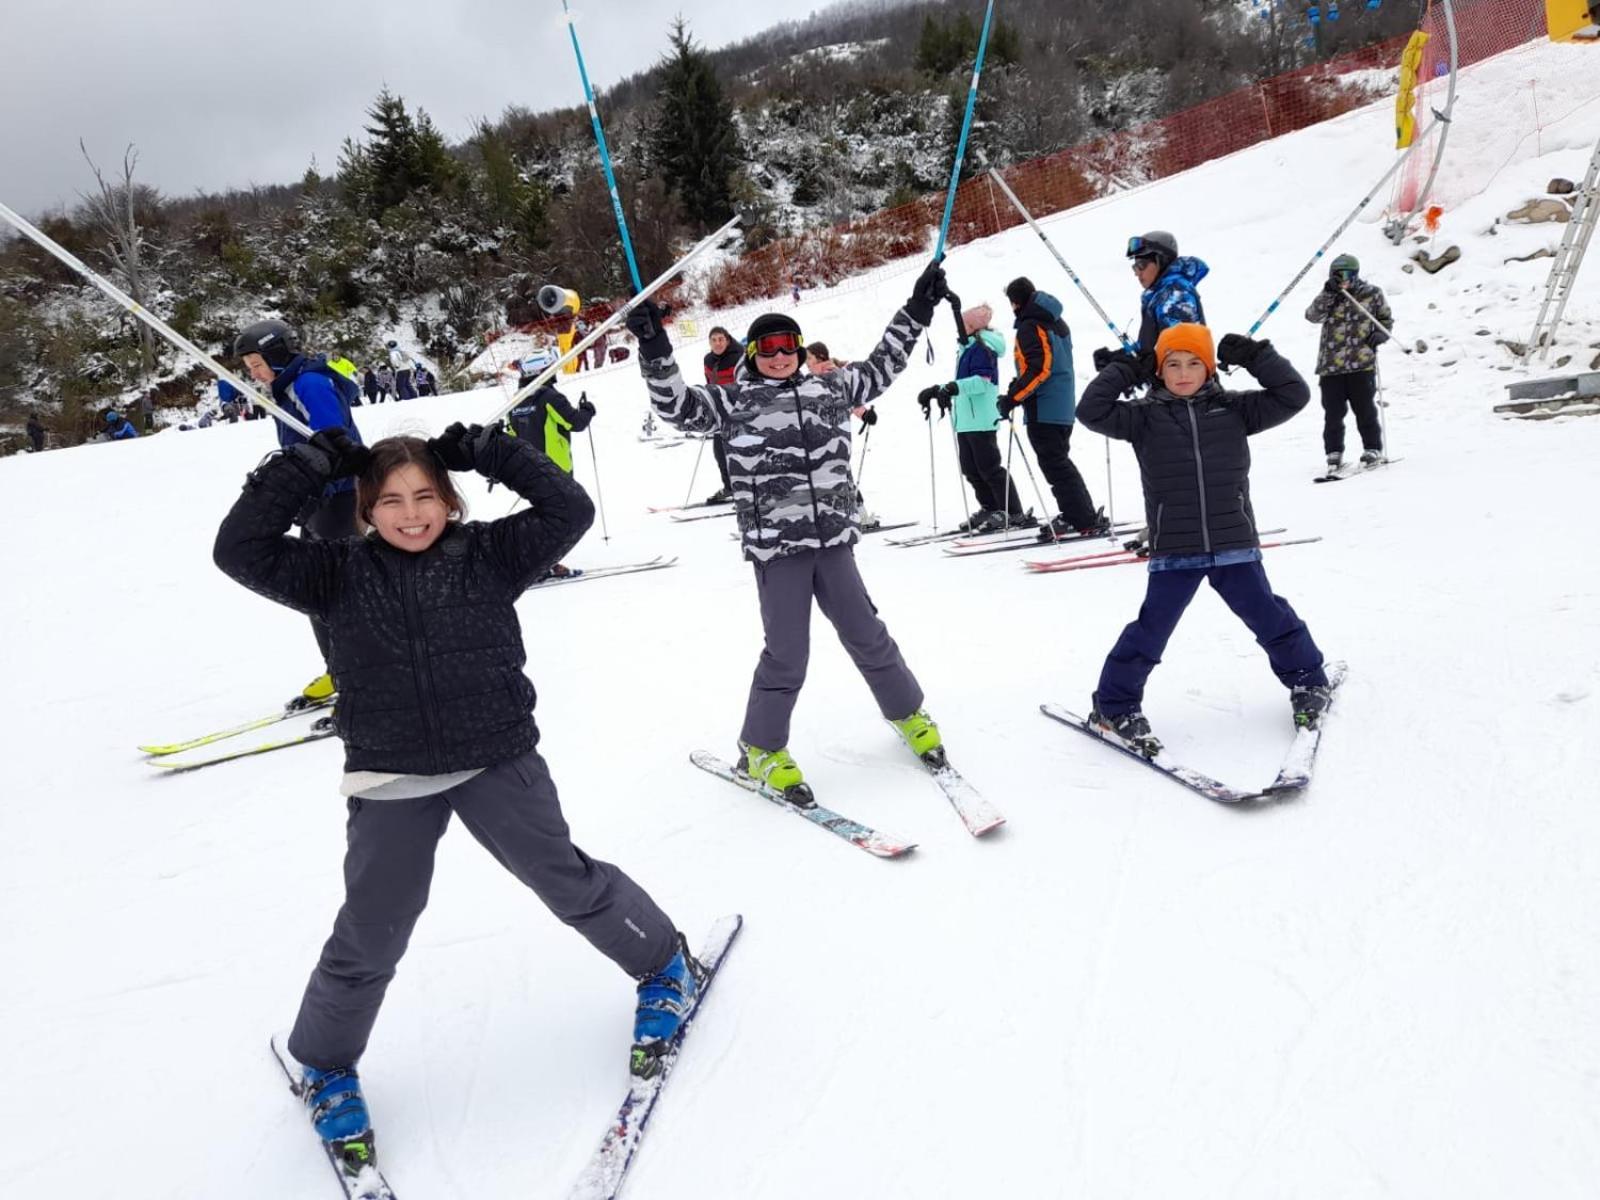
1385,988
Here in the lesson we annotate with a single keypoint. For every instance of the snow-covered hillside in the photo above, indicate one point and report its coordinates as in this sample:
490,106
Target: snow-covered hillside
1385,988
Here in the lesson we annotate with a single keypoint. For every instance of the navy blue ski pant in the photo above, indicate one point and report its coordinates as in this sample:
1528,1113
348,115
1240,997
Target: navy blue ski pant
1244,588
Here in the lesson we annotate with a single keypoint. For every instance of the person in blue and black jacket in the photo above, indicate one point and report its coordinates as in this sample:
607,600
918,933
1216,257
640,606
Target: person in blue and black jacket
306,386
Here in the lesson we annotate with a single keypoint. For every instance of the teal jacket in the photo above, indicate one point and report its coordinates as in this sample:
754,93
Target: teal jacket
978,376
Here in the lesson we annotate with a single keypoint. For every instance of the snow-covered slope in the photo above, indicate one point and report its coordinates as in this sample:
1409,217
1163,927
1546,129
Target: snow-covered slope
1386,988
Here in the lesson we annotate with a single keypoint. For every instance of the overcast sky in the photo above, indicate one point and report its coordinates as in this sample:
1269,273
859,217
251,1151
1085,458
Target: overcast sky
226,94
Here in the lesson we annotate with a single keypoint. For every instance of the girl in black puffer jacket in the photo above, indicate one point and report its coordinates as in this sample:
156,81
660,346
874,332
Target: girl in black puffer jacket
437,718
1194,461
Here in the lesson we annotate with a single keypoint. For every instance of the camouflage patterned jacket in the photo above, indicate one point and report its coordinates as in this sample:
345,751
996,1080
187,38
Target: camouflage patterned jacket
1345,329
788,441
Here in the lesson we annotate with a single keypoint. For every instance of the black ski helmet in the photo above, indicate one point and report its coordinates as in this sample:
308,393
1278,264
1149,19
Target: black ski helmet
1157,244
276,341
770,323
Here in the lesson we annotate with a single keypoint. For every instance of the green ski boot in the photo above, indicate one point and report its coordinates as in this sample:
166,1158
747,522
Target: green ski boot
777,773
922,735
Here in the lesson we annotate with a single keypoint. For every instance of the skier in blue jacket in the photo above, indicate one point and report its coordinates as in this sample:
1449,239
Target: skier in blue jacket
118,427
304,385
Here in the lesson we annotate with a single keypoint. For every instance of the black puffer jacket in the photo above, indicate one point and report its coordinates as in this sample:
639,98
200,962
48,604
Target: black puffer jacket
1194,459
425,648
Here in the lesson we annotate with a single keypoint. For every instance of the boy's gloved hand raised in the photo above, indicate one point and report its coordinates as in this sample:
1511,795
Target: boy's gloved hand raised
647,322
1236,350
459,446
929,289
345,455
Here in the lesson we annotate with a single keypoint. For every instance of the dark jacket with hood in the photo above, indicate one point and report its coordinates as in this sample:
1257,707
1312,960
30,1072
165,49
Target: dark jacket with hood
1194,460
724,368
1044,383
425,648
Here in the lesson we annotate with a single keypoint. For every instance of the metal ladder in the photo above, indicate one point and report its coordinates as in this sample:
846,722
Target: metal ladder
1568,259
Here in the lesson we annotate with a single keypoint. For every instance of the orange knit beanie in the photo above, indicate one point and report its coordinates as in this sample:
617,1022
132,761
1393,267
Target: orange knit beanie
1196,339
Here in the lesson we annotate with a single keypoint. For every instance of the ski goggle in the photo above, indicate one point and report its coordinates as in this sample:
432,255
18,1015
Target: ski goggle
1139,247
769,344
1345,274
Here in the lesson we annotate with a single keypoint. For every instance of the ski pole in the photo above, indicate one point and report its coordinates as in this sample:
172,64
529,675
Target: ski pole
966,128
1011,442
1056,254
1346,223
600,497
1111,496
1367,313
23,226
1037,494
955,438
605,154
695,474
1383,407
618,317
861,471
933,477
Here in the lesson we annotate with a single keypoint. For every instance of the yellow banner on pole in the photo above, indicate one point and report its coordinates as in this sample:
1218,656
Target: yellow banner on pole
1405,101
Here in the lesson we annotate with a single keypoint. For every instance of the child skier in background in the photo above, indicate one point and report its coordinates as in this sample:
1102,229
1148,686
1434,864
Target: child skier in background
1347,358
788,438
1190,437
437,718
545,420
972,399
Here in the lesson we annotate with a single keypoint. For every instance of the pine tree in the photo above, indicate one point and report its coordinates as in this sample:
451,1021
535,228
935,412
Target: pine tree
403,156
693,141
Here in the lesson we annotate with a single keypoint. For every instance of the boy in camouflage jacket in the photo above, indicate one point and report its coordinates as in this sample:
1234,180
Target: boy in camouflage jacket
1347,360
788,438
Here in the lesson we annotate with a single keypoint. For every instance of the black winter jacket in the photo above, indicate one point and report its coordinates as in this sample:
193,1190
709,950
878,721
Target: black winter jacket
425,648
1194,459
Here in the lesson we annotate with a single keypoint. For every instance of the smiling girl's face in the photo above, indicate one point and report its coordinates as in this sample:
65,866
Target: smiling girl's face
409,512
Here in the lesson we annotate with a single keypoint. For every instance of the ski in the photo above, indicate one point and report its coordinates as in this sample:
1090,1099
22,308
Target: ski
924,539
865,530
865,837
1351,470
579,576
177,766
1194,780
1127,548
700,516
976,813
1295,773
963,549
1119,558
352,1160
206,739
670,508
602,1178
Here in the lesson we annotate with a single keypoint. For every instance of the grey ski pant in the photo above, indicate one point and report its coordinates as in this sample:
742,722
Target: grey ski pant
513,810
786,586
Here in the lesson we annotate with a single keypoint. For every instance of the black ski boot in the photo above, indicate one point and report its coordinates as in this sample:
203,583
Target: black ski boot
1131,728
1310,702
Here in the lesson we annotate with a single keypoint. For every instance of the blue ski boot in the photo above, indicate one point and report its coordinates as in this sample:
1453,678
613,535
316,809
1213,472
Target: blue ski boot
665,999
333,1097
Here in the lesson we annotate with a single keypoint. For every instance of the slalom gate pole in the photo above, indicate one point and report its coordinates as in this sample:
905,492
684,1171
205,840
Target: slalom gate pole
600,497
605,154
1416,145
28,230
617,318
1056,254
966,128
695,474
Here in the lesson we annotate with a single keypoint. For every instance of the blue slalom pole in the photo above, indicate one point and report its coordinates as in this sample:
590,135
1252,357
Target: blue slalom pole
966,127
605,154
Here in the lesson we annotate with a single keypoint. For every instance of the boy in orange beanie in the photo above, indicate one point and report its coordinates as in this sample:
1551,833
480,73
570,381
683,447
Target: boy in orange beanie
1190,437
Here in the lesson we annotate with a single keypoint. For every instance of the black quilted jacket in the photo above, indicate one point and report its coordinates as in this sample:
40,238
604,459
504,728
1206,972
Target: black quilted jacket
1194,459
425,648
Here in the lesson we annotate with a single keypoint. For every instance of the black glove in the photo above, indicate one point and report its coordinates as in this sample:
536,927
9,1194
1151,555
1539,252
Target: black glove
1103,356
869,416
586,406
1377,338
1006,404
459,446
346,456
1334,286
646,323
929,289
926,397
1236,350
